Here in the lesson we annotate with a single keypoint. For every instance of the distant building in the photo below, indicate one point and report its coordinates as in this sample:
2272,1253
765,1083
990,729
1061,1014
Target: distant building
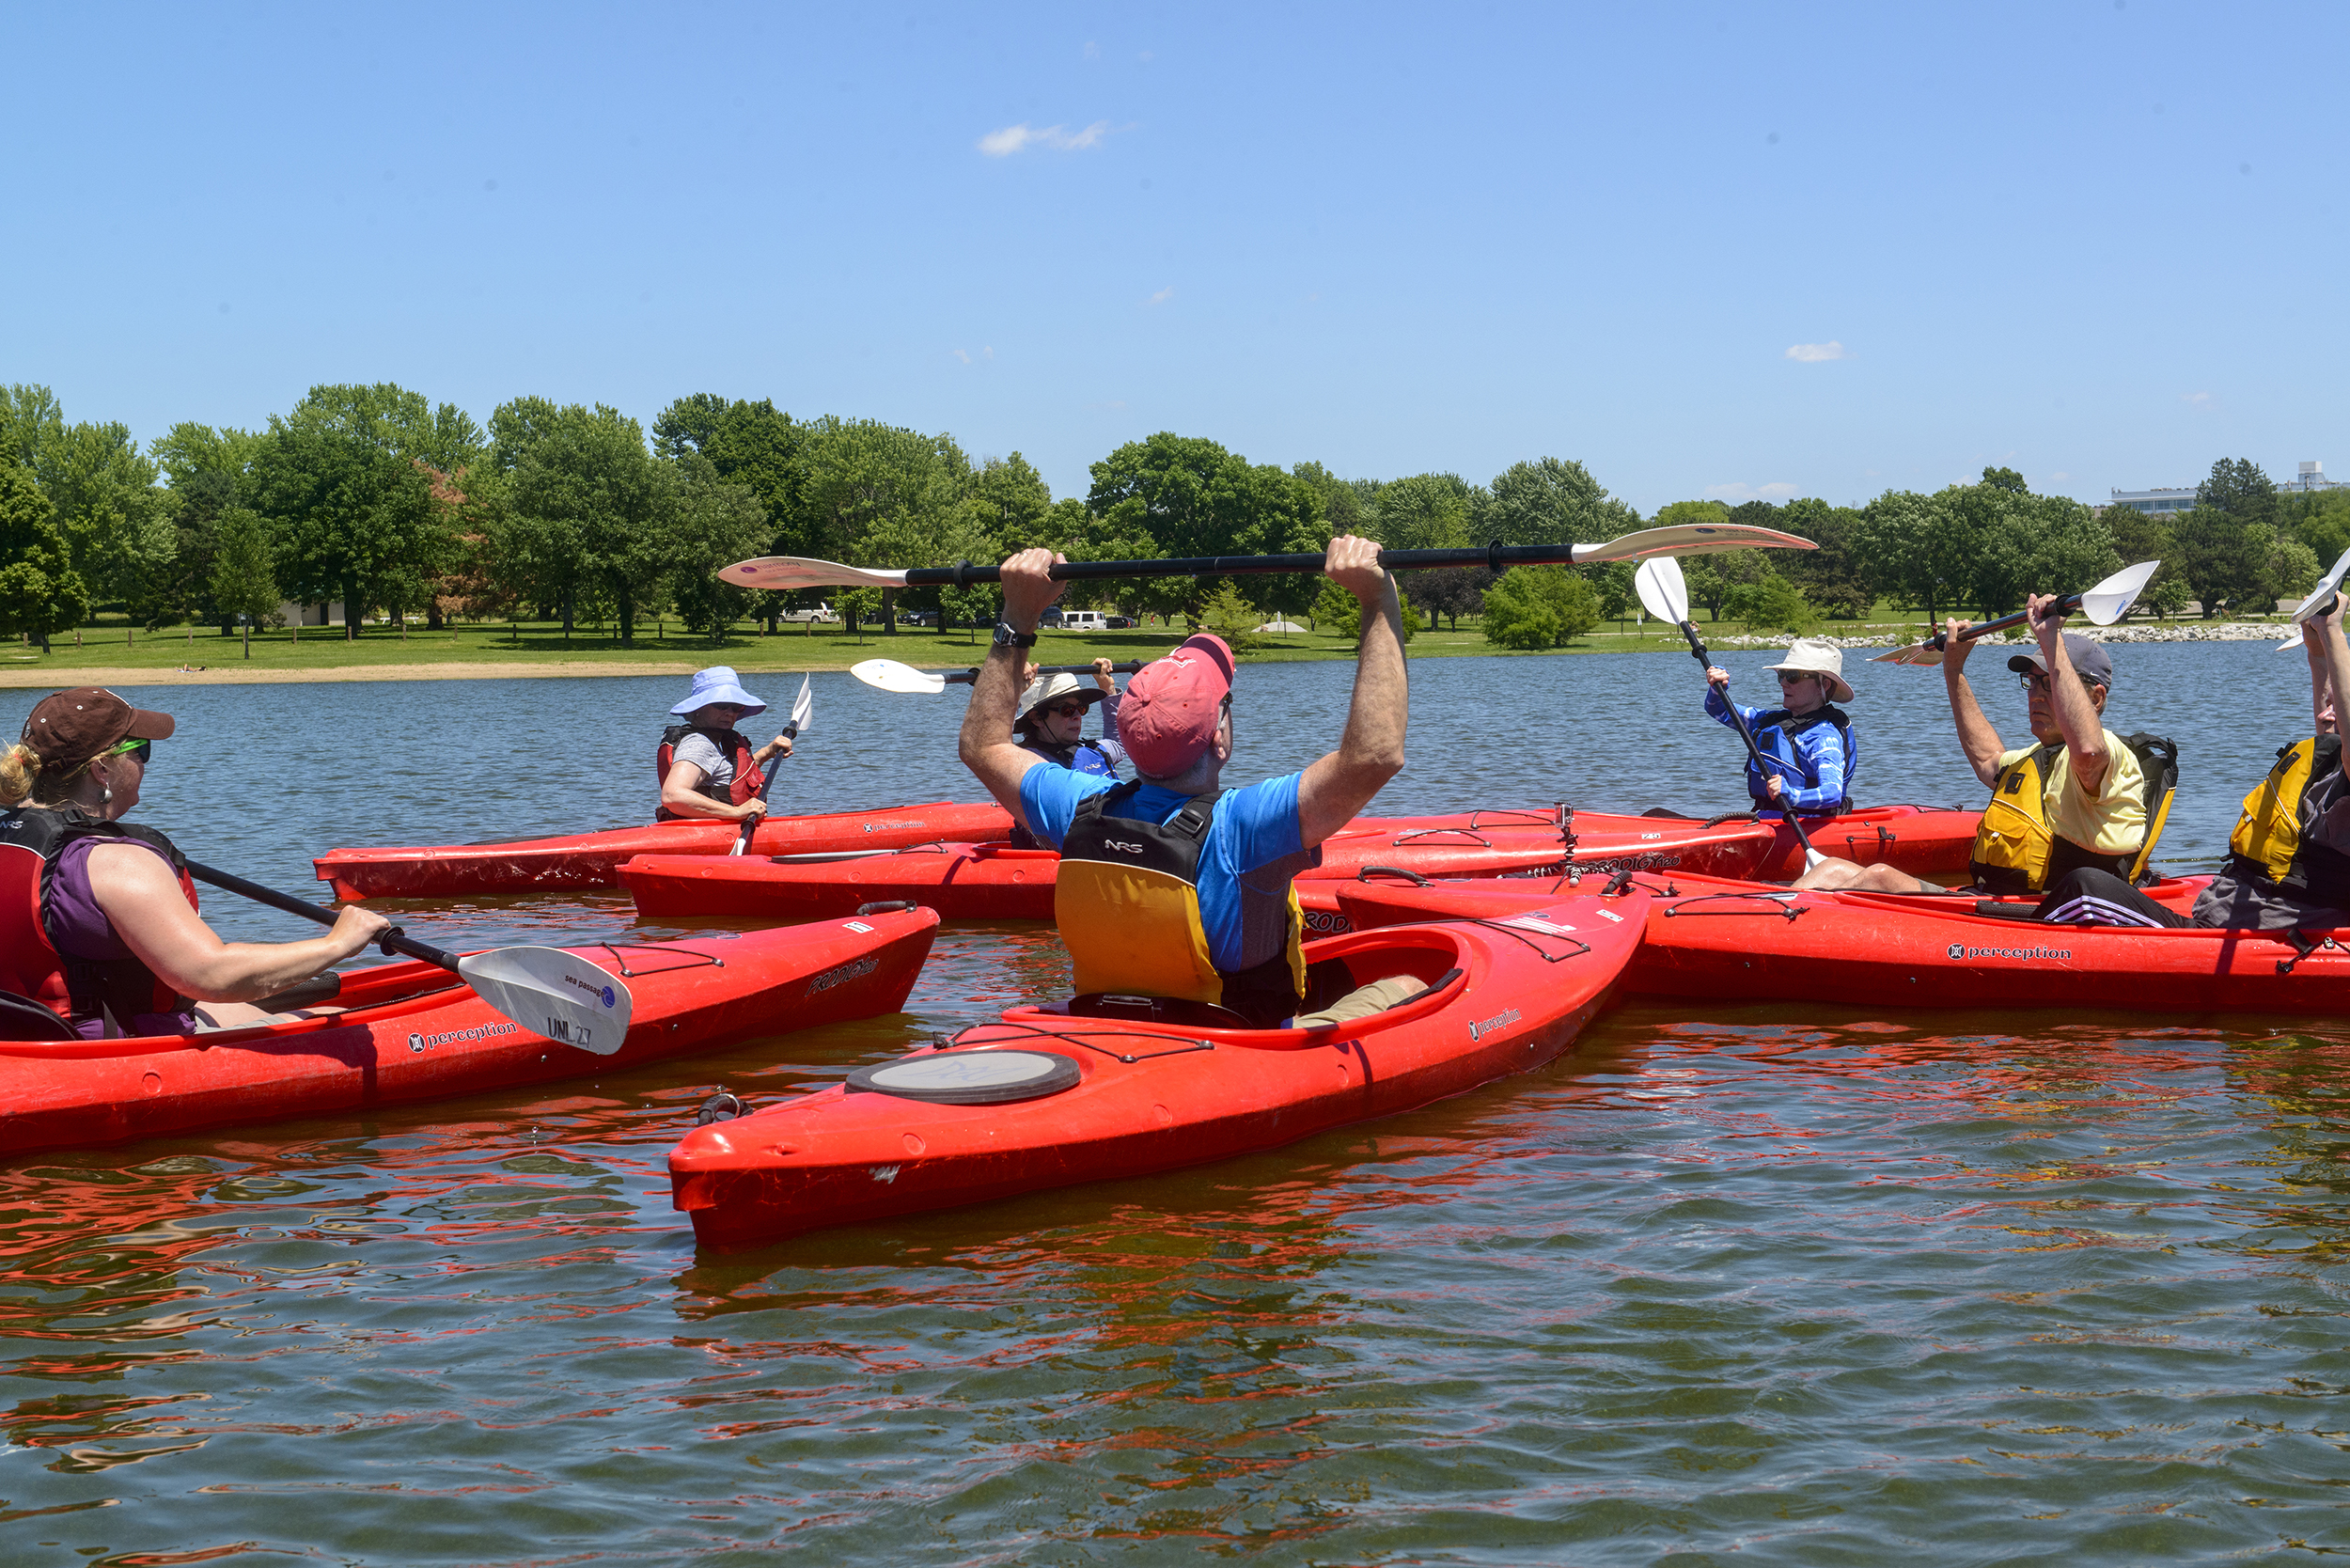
2155,503
2170,503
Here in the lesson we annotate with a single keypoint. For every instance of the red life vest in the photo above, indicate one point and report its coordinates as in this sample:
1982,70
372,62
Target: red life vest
32,839
729,743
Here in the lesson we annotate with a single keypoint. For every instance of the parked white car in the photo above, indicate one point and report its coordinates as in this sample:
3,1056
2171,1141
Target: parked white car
1084,620
820,614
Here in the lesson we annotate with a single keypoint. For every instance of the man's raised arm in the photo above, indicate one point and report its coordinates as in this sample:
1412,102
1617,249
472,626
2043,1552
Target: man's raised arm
986,745
1371,752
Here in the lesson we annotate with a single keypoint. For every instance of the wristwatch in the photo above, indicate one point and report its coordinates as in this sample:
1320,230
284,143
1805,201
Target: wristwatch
1007,637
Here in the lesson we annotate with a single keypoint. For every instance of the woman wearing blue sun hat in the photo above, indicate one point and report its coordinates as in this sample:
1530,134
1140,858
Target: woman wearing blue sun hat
707,767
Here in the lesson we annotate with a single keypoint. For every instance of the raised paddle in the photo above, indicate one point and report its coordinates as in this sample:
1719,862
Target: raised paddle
1665,595
2106,603
545,989
782,573
891,676
802,706
2321,600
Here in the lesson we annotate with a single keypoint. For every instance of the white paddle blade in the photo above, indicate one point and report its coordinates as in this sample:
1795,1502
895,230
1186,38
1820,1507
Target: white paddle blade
550,992
1664,592
1688,539
781,573
2324,592
891,676
2110,600
801,707
2292,642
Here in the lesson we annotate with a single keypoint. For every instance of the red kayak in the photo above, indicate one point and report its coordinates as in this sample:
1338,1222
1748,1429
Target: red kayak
1926,841
1742,942
996,881
413,1031
590,859
1048,1099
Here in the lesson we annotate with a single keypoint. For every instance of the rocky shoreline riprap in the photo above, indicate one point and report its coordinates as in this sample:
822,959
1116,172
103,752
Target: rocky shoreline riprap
2174,631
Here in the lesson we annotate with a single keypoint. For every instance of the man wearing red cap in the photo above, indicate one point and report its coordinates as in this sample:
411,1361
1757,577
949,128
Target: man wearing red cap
1172,887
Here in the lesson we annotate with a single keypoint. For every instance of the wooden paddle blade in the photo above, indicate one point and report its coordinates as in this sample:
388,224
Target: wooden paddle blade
1689,538
1916,653
2110,600
1664,592
891,676
782,573
2321,595
552,993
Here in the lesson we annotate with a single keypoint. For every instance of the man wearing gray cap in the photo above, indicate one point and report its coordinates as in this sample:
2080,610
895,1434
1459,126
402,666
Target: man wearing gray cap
2078,800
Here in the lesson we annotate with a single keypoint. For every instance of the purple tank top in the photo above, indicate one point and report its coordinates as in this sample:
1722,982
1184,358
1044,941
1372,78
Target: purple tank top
81,930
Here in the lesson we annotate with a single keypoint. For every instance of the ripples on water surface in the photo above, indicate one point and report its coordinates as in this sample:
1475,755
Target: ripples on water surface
1779,1283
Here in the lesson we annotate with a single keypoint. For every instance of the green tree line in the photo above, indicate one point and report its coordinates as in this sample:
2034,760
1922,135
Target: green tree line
396,506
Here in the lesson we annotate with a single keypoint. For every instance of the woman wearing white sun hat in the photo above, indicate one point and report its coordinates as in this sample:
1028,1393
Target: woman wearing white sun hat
1808,740
707,767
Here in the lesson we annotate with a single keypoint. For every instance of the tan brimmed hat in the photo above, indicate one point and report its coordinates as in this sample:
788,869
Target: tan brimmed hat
1051,688
1818,656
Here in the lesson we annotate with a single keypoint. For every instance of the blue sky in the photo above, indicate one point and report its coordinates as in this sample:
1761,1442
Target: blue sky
2096,242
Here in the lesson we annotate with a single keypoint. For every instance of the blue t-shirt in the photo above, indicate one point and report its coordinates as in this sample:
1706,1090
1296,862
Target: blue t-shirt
1252,828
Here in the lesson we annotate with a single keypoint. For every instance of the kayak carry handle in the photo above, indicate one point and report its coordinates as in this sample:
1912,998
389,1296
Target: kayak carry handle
887,906
1369,871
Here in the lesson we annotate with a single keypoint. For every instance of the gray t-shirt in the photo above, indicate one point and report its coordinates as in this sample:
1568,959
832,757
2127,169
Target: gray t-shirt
2241,903
701,750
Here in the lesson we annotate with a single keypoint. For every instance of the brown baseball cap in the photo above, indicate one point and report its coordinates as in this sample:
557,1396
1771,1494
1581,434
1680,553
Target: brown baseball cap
70,727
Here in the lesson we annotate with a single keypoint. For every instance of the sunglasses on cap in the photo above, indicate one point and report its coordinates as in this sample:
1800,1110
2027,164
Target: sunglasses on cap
138,751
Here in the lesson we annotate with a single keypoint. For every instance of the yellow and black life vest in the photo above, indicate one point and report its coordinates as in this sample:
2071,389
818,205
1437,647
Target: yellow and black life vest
1127,902
2267,846
2016,850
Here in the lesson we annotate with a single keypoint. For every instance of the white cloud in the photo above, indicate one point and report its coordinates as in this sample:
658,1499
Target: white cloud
964,357
1019,138
2201,401
1778,490
1813,353
1164,295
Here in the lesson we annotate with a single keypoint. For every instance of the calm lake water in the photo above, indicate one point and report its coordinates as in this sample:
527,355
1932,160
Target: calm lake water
1764,1284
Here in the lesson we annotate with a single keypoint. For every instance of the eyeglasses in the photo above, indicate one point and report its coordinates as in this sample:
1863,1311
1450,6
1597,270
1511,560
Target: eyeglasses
138,751
2036,680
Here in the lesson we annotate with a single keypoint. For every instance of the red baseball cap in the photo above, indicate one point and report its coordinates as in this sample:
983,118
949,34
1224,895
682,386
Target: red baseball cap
1173,705
70,727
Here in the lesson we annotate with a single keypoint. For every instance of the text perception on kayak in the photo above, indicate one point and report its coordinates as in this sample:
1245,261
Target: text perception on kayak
1960,950
480,1032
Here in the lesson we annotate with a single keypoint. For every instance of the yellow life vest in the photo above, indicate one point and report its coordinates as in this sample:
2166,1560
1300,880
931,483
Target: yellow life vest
2017,852
2267,844
1127,902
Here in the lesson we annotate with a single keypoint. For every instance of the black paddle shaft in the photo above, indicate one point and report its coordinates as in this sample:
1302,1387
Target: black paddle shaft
1738,721
966,676
392,941
2065,604
766,782
1495,556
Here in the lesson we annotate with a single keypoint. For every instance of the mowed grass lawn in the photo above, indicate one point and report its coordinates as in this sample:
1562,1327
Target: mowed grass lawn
485,647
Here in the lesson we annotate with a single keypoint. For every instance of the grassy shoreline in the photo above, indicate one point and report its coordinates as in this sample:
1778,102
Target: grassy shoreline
115,655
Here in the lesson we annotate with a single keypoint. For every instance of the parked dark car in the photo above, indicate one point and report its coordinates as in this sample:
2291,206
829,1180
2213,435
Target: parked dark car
917,618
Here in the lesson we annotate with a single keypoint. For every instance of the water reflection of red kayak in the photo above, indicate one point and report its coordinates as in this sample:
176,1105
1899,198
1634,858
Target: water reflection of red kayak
589,860
996,882
1745,942
1046,1098
411,1032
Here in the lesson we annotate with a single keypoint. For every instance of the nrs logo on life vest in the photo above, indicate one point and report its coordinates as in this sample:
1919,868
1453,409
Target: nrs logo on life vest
1122,848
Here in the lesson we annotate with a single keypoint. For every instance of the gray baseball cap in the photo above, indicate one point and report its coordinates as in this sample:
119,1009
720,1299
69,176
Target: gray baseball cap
2088,657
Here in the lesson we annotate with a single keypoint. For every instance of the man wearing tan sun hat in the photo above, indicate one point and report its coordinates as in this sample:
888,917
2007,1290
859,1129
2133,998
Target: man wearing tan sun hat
1806,740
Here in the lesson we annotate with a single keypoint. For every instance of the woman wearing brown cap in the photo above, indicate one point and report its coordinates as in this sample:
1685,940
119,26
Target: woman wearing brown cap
97,919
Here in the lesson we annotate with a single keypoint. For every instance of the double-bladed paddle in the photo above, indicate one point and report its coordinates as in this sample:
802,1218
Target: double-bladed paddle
802,706
891,676
2106,603
780,572
545,989
1665,595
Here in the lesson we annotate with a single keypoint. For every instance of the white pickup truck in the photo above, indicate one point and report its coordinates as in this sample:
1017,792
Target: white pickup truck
806,614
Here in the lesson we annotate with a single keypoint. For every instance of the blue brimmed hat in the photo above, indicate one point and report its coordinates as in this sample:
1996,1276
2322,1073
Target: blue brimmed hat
717,683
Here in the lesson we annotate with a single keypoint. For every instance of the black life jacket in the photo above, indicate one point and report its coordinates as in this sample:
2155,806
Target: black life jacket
2267,847
1087,757
2017,852
32,840
1127,901
1793,727
730,742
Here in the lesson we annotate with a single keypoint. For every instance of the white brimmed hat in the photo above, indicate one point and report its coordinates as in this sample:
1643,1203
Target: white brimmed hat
717,685
1818,656
1045,688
